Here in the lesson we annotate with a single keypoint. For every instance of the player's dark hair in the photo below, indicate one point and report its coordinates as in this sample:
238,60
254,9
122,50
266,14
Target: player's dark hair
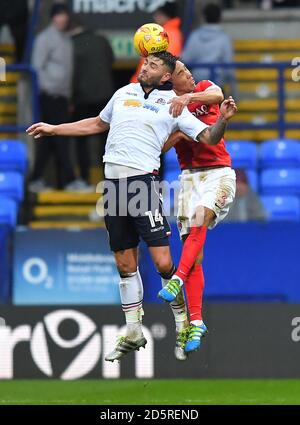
212,13
169,9
168,59
58,8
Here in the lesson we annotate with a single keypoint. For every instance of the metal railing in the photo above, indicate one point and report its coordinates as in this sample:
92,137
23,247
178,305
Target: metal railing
281,124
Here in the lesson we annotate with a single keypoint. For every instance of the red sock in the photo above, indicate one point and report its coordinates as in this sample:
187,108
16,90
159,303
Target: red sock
191,248
194,287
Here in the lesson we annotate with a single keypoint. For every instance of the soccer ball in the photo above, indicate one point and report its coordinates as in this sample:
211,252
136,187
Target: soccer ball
150,38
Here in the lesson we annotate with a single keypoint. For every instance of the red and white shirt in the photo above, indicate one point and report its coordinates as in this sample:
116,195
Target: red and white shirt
198,155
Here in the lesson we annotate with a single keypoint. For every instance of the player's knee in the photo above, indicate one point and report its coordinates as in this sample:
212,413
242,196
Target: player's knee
209,217
125,268
163,266
198,217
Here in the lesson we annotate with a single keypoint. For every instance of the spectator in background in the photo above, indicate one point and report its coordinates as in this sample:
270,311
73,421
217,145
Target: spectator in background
166,16
53,60
92,88
210,44
246,205
14,13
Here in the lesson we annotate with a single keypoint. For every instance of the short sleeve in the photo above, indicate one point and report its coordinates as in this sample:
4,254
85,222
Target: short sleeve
206,85
106,113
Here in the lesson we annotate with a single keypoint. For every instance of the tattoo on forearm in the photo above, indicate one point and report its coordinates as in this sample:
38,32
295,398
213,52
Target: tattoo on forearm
217,131
204,135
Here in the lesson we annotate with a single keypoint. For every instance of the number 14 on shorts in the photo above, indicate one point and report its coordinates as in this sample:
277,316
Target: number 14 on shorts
158,218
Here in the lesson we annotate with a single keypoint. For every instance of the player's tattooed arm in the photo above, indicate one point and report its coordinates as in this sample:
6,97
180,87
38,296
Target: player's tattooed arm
213,134
84,127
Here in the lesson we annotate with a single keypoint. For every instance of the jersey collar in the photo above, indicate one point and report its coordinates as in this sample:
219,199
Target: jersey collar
166,86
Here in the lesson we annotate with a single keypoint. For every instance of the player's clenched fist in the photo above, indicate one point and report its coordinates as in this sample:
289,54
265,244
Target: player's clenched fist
41,129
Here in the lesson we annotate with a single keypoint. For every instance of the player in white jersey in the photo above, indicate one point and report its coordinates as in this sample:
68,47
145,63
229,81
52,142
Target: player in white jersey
139,123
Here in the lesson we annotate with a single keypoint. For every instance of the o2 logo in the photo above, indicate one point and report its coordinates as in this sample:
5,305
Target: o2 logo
35,272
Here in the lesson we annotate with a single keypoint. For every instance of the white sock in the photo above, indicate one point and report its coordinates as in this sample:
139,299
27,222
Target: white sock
178,307
178,278
134,324
131,293
197,322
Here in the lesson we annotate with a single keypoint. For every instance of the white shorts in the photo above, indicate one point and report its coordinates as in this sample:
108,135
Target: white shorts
213,189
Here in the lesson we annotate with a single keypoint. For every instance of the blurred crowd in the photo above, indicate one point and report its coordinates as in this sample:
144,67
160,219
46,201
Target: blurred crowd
74,67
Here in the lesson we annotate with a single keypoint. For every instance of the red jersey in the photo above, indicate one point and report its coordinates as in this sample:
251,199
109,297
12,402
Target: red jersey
198,155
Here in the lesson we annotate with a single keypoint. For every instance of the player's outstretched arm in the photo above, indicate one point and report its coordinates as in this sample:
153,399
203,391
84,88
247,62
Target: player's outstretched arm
210,96
213,134
84,127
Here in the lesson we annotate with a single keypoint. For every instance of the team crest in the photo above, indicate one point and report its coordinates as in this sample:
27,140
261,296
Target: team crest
161,101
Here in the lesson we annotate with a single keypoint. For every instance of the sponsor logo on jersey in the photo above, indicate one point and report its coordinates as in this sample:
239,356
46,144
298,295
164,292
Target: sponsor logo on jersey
151,107
131,94
203,110
134,103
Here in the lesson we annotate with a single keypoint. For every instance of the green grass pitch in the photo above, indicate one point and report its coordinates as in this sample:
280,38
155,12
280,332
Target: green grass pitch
153,392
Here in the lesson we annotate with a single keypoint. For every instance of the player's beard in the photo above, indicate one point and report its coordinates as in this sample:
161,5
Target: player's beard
151,82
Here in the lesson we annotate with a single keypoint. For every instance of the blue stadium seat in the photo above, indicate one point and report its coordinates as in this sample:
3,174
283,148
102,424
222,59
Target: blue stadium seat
284,181
279,153
12,186
243,154
282,207
8,211
13,156
170,160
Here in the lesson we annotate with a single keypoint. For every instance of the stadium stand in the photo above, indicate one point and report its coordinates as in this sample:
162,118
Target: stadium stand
13,156
8,91
279,153
59,209
258,88
284,181
12,185
258,104
282,207
243,153
8,212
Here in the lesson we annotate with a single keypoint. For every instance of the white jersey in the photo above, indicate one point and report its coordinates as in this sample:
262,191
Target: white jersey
140,124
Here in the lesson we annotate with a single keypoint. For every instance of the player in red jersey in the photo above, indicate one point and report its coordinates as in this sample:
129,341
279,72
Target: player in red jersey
207,188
